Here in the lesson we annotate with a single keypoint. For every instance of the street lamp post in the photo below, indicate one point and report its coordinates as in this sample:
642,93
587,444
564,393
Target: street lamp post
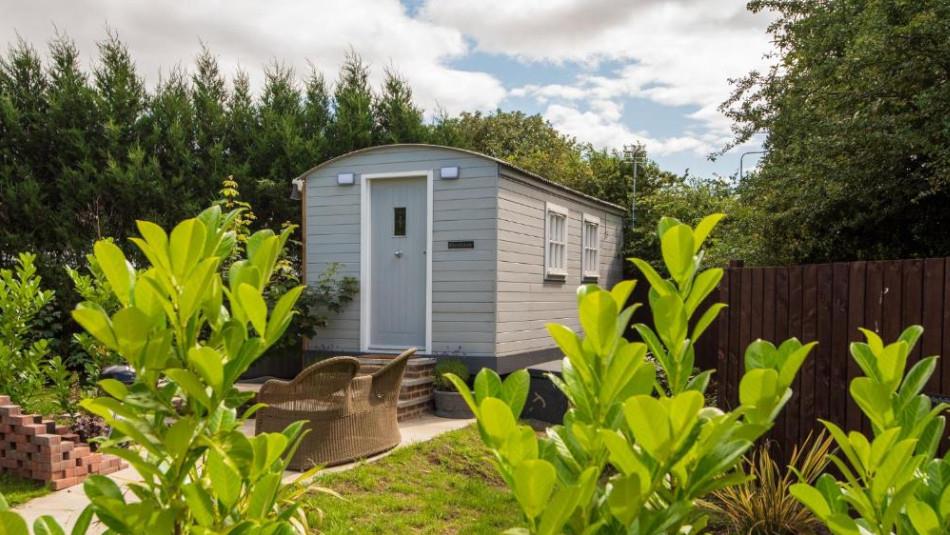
742,157
633,154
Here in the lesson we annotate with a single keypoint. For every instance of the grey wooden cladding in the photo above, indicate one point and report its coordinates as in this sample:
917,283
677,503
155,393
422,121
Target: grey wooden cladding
529,301
489,297
462,209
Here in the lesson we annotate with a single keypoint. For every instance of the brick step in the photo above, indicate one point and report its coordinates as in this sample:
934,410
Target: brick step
405,403
415,393
383,359
416,367
408,409
416,381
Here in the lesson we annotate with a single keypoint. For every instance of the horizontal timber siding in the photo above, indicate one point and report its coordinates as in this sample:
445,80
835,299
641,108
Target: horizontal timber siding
525,300
463,281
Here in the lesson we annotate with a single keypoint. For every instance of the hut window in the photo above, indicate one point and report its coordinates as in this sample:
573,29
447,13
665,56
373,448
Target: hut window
399,221
590,247
555,237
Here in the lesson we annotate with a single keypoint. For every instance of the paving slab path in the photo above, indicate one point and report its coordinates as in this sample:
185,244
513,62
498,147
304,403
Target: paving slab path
66,505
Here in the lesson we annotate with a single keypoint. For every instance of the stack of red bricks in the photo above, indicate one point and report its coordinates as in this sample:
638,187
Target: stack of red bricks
36,448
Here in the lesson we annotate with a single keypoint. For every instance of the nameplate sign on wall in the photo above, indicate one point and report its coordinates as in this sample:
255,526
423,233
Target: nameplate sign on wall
462,244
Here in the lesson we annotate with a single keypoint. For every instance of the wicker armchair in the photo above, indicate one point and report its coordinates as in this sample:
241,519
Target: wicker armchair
349,416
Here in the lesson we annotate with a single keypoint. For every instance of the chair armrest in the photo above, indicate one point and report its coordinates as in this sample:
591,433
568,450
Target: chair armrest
271,389
388,379
358,397
326,382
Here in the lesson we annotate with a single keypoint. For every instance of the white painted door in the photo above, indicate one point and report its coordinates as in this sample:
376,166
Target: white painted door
398,263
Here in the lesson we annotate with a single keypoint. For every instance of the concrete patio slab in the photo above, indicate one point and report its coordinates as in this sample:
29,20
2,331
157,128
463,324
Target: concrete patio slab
66,505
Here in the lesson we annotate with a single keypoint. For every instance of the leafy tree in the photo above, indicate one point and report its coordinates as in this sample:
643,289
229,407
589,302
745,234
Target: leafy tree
854,110
352,124
688,198
398,120
527,141
445,130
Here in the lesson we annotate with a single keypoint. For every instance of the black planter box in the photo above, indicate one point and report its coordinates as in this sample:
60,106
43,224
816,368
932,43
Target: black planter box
449,404
545,402
281,363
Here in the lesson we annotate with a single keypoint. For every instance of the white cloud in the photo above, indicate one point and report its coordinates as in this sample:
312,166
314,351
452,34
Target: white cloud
601,127
670,52
545,92
251,33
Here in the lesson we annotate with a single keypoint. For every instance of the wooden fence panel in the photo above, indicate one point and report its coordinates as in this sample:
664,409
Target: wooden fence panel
944,370
932,314
827,303
838,352
857,286
912,305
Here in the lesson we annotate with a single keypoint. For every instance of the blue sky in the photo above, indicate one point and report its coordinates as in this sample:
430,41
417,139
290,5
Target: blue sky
609,72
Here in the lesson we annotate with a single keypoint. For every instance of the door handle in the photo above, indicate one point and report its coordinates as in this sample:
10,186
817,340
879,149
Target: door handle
398,254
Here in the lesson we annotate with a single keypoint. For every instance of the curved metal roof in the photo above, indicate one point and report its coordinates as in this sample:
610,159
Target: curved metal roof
529,174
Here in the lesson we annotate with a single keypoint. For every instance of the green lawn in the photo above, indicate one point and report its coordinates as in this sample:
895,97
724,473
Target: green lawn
17,490
446,485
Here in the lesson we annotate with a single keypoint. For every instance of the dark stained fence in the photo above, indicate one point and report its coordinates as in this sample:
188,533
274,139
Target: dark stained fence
827,303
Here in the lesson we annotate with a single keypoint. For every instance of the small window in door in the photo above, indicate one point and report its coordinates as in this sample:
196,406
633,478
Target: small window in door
399,221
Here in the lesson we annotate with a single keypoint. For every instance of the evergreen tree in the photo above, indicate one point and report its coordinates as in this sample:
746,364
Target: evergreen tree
170,142
121,95
279,150
398,120
116,198
73,158
209,98
352,124
24,139
241,124
316,116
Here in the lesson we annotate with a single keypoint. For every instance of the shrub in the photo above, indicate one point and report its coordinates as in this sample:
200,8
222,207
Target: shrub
327,296
454,366
90,355
21,352
189,335
318,302
893,481
625,461
91,429
64,385
764,505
